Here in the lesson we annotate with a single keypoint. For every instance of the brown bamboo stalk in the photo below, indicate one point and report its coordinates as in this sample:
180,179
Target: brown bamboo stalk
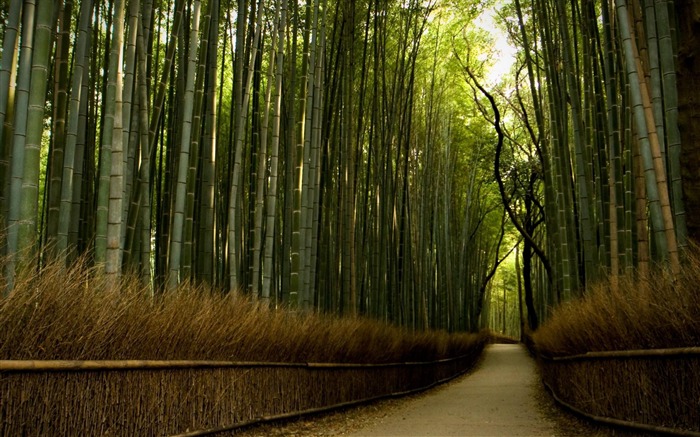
640,213
659,167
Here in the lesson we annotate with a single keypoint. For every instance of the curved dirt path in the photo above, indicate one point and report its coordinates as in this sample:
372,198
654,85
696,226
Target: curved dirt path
498,399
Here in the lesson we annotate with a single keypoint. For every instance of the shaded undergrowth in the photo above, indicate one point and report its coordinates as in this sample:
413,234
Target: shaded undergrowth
655,312
77,314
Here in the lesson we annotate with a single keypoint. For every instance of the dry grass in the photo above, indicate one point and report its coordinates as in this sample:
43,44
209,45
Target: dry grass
496,337
76,314
655,313
641,314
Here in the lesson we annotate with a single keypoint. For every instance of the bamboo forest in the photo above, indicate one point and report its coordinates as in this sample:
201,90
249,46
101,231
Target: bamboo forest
219,213
352,157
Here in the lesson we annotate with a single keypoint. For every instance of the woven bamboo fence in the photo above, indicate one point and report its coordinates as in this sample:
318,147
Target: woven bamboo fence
156,398
654,390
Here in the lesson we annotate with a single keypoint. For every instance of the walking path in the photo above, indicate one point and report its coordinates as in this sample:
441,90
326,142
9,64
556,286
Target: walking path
498,399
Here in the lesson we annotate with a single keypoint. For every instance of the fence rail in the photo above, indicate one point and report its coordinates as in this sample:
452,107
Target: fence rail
618,422
650,390
634,353
188,398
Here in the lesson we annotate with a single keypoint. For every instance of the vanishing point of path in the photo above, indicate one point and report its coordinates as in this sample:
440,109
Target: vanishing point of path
498,399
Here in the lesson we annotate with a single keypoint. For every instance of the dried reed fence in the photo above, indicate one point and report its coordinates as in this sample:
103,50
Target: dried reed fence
655,390
629,353
155,398
86,355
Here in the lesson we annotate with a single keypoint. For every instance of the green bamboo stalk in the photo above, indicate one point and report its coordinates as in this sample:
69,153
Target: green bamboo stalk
583,173
144,189
115,210
261,160
657,193
653,72
82,194
310,167
177,229
130,114
7,93
19,141
77,95
670,100
28,237
233,263
205,252
566,274
316,158
296,283
271,207
105,167
188,253
58,129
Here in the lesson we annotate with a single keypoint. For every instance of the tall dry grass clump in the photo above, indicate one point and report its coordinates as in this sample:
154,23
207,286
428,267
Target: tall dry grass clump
657,392
77,314
656,312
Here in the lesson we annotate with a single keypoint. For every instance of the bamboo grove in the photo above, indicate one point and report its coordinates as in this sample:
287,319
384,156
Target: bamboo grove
307,154
601,123
339,155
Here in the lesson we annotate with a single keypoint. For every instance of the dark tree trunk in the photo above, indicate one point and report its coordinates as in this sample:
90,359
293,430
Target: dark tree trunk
532,319
528,253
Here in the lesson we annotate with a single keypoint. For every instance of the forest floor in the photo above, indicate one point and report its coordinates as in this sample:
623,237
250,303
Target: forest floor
501,397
